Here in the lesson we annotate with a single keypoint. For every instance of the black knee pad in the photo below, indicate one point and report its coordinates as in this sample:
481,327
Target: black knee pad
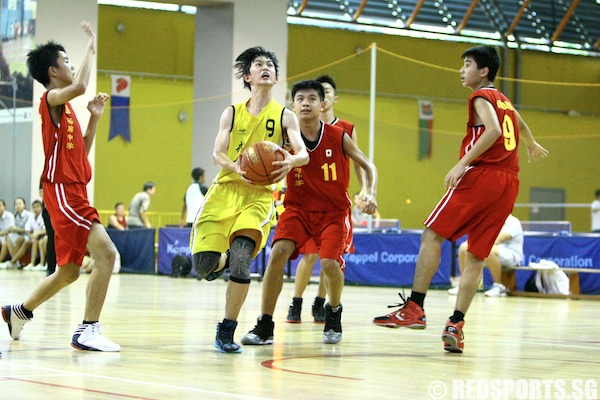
205,262
240,257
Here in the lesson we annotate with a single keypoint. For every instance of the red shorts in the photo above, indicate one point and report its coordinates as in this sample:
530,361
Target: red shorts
310,246
72,217
326,228
478,207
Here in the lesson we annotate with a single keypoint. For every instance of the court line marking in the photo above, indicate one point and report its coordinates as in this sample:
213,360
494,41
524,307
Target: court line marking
271,365
126,380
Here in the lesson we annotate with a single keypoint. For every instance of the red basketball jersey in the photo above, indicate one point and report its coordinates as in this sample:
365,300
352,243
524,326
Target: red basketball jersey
322,184
66,159
345,125
503,153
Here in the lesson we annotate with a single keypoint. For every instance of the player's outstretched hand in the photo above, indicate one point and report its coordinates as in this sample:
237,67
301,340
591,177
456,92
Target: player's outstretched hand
87,28
97,104
536,152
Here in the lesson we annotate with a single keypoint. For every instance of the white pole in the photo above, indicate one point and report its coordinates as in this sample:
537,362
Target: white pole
372,90
372,101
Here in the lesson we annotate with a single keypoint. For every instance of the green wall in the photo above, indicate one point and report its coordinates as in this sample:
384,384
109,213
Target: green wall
161,146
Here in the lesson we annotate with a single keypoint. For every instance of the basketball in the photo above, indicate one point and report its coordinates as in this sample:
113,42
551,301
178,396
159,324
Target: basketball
257,162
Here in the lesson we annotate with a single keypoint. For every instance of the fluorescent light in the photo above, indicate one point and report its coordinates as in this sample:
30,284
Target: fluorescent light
148,5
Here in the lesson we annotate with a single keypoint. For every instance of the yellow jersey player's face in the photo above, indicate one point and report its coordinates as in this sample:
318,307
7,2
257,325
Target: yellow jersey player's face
262,72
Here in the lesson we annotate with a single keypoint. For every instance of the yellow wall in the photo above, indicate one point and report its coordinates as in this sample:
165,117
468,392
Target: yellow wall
161,146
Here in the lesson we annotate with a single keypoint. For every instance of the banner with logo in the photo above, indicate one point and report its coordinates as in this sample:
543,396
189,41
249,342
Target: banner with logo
119,110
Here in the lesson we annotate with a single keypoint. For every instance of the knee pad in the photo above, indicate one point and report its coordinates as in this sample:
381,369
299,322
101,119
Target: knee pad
205,262
240,257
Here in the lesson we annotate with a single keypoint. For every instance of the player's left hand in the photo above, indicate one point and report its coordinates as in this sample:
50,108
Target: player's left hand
97,104
369,203
536,152
285,166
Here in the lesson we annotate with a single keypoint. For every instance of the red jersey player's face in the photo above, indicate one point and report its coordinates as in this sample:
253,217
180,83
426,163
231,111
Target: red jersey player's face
470,75
65,71
330,97
307,104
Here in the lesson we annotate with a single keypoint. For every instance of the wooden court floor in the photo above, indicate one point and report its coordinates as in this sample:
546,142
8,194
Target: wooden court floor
166,329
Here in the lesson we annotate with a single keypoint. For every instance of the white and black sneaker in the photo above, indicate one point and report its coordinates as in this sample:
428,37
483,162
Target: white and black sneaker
261,334
332,333
14,316
88,337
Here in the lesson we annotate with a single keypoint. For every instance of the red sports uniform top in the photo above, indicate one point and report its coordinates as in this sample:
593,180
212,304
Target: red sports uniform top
328,162
64,148
502,154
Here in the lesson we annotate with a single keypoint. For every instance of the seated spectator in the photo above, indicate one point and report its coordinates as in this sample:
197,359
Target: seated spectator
37,233
18,242
359,218
507,251
118,219
7,220
193,198
138,207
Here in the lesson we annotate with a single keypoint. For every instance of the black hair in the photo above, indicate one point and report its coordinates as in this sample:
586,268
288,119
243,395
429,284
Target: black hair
485,56
36,202
22,199
245,60
148,185
118,204
308,85
597,192
3,202
41,58
327,79
197,173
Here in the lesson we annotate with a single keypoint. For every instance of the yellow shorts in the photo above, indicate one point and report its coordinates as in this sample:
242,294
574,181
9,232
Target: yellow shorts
228,208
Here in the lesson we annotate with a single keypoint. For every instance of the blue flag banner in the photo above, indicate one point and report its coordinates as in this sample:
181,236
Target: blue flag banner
119,107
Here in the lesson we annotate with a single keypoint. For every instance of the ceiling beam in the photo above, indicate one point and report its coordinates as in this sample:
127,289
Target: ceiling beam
564,21
467,16
414,14
359,10
517,18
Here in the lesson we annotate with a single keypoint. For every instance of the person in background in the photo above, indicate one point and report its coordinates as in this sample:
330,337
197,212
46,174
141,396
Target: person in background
138,207
118,219
37,234
7,220
507,251
18,241
193,198
596,213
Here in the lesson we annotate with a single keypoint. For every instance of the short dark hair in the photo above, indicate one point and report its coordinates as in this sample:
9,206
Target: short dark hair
22,199
3,202
485,56
197,173
308,85
327,79
597,192
36,202
41,58
118,204
148,185
245,60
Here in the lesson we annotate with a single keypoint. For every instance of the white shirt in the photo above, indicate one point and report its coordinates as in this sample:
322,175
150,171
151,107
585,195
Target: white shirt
7,219
193,201
34,223
596,215
513,227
